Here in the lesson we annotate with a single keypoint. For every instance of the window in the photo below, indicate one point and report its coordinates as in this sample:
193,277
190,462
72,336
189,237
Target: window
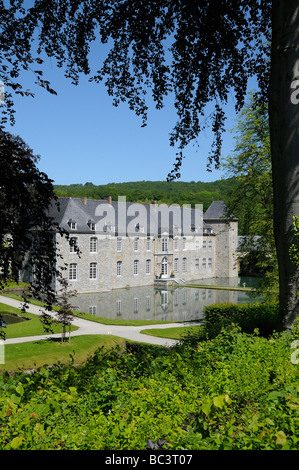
93,245
148,244
164,267
148,266
176,243
73,244
147,303
73,272
91,224
210,245
204,263
204,245
136,244
119,268
210,263
197,264
72,224
93,309
93,271
164,244
119,244
136,267
184,243
135,304
176,265
184,266
118,308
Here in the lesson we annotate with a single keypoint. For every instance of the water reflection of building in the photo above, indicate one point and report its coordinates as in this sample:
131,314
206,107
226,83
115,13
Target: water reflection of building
151,303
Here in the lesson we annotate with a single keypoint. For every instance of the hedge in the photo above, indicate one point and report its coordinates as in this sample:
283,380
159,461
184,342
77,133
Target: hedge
260,315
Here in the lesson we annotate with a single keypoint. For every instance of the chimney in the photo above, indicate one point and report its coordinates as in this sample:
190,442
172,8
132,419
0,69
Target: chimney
84,200
109,199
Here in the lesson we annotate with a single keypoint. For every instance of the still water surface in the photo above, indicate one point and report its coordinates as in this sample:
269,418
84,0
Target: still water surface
162,304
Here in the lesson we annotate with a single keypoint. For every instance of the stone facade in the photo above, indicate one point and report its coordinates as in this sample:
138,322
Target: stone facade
111,258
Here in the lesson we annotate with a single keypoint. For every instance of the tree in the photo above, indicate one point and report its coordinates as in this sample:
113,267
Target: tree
65,312
251,199
201,51
27,244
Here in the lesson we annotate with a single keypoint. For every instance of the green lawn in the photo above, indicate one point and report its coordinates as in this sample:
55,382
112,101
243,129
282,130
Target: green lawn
34,354
31,327
172,333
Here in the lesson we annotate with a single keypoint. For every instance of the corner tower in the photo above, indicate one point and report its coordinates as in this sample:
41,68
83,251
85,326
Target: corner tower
225,227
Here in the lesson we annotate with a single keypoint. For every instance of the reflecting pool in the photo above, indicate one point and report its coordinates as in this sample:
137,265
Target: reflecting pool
160,304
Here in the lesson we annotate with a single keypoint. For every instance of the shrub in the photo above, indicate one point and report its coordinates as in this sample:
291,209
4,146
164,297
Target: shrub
260,315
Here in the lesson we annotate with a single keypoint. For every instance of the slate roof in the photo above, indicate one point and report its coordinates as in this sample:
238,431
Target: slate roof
217,211
83,210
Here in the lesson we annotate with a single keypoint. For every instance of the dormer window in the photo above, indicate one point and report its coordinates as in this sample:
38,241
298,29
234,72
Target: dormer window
139,228
91,224
72,224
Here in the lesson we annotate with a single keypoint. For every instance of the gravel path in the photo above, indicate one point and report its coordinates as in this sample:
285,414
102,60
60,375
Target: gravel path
86,327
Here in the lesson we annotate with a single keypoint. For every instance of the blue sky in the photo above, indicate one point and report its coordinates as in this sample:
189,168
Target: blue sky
81,137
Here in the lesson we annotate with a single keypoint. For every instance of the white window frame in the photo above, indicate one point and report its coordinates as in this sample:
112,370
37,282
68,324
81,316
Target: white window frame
136,267
75,245
93,245
73,272
184,265
136,244
119,268
148,244
148,266
93,270
119,244
164,244
92,310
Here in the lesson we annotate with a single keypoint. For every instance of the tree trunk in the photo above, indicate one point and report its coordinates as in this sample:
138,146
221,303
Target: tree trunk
284,132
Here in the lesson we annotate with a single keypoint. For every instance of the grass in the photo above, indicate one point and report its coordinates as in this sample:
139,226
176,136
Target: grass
172,333
31,327
35,354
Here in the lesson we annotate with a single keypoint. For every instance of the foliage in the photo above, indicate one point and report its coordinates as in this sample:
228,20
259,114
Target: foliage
27,244
262,316
163,192
198,52
294,249
251,199
65,314
234,392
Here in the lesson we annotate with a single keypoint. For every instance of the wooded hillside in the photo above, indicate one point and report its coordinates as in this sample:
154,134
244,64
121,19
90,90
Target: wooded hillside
175,192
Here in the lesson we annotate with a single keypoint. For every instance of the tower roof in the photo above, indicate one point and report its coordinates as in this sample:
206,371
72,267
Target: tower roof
218,211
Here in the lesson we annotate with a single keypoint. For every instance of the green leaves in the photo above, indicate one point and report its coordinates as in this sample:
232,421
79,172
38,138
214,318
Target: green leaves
237,391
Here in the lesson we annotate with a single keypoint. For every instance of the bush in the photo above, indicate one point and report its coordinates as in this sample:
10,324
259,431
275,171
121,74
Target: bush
260,315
